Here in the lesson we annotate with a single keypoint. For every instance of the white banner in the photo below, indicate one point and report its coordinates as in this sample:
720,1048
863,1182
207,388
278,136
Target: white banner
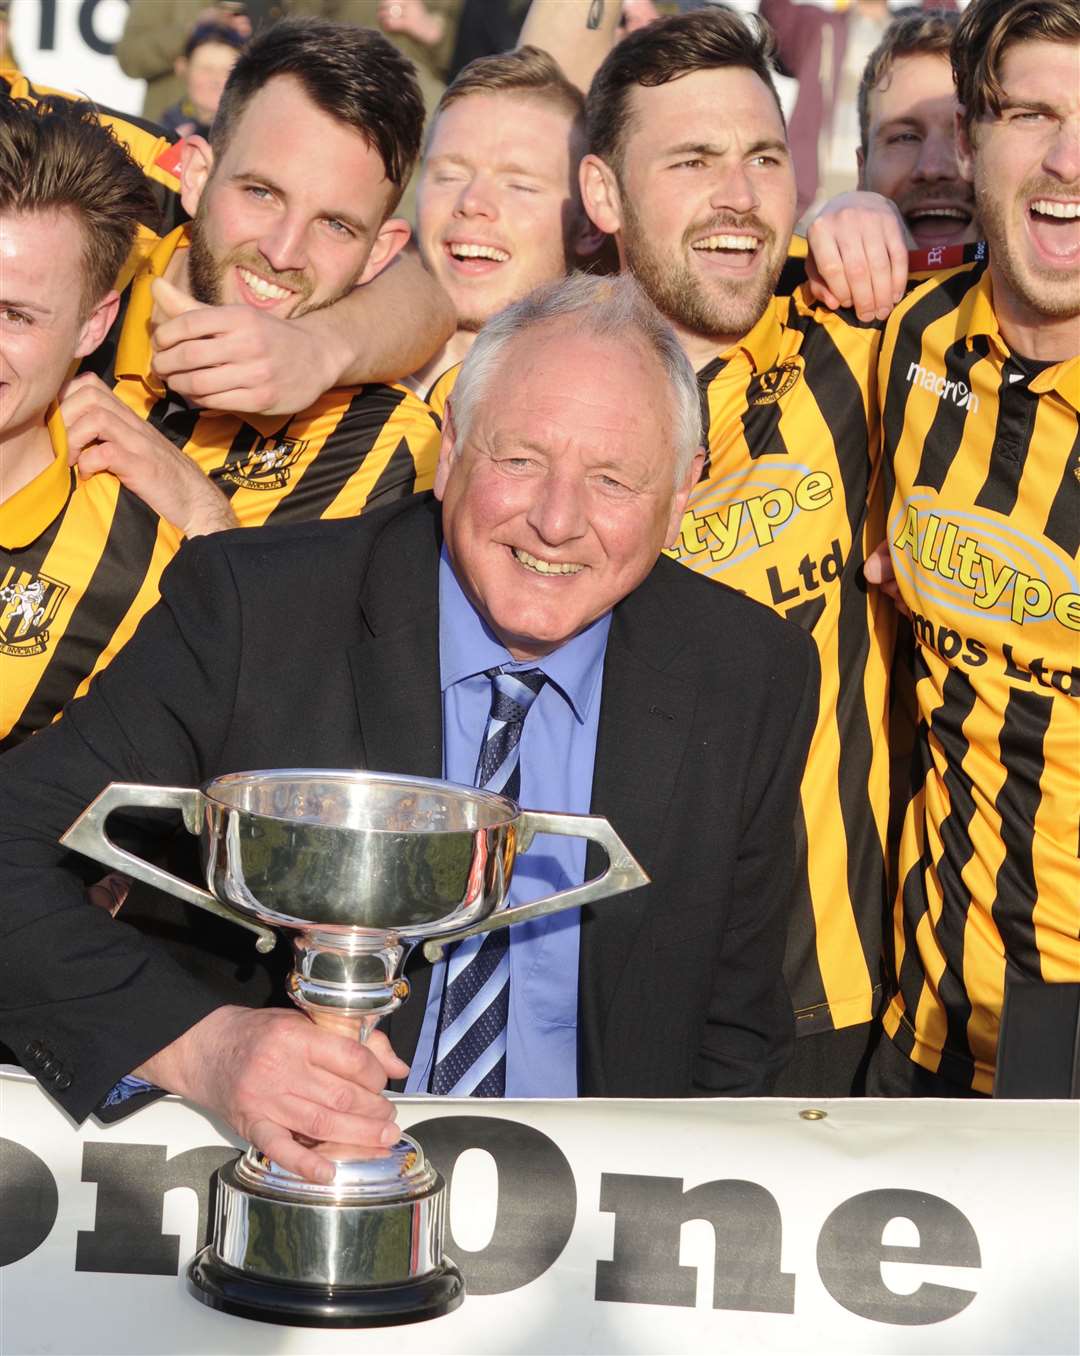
595,1226
68,45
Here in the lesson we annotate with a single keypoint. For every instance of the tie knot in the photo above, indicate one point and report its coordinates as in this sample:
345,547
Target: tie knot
513,693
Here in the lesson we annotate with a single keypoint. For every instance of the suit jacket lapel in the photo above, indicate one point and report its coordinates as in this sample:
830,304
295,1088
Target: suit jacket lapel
394,655
647,710
394,659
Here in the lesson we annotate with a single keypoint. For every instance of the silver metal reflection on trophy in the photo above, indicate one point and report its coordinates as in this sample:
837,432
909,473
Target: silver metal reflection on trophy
358,867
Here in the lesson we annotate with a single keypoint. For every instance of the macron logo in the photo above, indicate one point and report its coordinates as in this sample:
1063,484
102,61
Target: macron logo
956,391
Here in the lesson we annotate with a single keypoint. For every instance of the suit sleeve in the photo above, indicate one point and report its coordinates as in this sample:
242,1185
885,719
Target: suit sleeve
74,982
749,1030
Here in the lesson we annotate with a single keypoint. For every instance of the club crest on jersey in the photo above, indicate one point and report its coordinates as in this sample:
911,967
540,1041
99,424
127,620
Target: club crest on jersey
28,605
774,383
266,466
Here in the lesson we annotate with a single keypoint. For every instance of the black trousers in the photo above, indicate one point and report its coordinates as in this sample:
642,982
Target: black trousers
830,1063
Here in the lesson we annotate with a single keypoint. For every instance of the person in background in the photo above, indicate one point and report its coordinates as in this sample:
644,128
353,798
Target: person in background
907,130
424,30
154,38
499,204
486,28
209,55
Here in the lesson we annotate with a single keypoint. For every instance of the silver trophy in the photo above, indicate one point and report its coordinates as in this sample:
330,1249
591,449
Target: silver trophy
358,867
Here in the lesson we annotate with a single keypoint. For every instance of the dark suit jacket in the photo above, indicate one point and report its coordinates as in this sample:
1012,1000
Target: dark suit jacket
317,645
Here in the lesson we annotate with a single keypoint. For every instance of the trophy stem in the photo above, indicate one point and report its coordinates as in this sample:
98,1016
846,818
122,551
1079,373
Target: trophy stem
353,1025
348,982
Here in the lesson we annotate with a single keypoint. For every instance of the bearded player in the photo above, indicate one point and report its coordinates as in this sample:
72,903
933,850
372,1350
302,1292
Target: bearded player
689,168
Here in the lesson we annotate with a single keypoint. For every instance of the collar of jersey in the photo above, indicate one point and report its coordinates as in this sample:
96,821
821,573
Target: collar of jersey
26,515
762,344
1063,377
134,350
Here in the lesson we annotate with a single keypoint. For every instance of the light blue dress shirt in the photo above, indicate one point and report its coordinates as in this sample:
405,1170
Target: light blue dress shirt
558,750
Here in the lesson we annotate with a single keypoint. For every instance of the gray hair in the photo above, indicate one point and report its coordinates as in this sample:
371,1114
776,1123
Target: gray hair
607,307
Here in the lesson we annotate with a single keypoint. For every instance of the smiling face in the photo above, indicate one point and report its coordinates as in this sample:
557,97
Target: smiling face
1026,169
497,206
291,216
911,155
43,320
561,494
703,203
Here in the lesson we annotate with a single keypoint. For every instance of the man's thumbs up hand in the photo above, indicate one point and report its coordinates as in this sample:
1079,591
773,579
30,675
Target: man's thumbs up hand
170,301
236,358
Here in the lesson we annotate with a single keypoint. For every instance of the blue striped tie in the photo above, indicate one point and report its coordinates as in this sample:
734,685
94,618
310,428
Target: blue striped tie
470,1056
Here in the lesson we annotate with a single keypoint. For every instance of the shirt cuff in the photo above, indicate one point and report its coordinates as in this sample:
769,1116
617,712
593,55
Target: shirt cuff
128,1087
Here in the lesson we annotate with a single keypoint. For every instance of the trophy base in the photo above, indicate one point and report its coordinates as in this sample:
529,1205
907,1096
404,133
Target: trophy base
314,1306
364,1250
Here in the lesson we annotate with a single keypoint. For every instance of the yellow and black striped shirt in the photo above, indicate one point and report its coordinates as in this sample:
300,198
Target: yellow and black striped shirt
983,482
786,511
80,562
74,588
355,448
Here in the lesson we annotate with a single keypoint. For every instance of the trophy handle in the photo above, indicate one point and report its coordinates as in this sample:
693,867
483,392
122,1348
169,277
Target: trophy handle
87,836
623,873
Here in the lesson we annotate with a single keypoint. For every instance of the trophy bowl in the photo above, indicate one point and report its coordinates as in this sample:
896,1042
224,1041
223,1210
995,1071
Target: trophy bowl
358,867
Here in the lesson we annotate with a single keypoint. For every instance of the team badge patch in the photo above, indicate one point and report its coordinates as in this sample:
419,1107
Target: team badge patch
28,605
267,466
775,382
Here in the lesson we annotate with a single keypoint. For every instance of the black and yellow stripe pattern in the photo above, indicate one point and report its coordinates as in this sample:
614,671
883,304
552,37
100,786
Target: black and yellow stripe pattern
80,562
788,507
983,483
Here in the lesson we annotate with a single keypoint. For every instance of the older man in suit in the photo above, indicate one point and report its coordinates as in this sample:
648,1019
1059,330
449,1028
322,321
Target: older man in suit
679,709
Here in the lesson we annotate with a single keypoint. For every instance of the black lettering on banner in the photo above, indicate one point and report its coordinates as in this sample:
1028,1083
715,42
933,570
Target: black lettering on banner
47,29
132,1180
537,1201
87,30
850,1253
29,1201
649,1214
